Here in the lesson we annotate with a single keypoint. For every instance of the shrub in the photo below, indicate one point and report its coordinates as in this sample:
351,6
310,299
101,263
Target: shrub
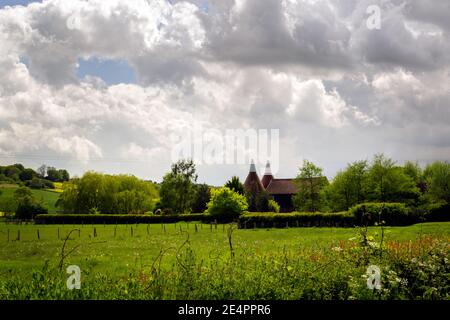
37,183
438,212
296,219
29,209
226,204
391,213
274,206
117,218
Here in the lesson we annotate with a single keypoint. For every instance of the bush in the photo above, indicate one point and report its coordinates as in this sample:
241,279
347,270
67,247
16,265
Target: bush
28,210
37,183
226,204
274,206
394,214
438,212
116,218
296,219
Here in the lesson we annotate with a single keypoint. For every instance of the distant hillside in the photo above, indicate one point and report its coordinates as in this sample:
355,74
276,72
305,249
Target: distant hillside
47,197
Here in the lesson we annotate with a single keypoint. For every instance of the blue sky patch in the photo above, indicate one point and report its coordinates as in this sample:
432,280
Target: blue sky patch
111,71
4,3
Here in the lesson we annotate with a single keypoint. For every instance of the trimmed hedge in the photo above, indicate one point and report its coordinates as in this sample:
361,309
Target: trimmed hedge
438,212
393,214
116,218
296,219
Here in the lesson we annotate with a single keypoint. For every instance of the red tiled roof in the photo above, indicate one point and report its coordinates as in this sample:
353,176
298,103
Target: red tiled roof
252,183
282,186
266,180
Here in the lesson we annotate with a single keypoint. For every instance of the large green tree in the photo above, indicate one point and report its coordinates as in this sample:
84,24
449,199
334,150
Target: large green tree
236,185
201,199
178,187
349,187
437,176
310,182
27,206
107,194
226,204
389,182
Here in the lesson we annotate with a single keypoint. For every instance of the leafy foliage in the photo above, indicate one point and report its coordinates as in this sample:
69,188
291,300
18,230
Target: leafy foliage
349,187
119,194
389,213
274,206
437,176
202,197
310,182
116,218
226,204
178,187
296,219
388,182
235,185
27,206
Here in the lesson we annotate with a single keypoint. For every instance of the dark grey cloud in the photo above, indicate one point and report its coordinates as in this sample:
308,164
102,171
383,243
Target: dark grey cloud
336,90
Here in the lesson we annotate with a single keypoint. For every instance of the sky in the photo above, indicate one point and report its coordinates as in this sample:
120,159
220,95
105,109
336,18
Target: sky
107,85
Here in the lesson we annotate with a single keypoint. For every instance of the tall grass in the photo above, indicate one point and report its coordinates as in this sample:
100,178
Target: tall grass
418,269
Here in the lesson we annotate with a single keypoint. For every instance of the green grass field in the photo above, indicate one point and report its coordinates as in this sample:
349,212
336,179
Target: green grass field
125,251
194,261
48,197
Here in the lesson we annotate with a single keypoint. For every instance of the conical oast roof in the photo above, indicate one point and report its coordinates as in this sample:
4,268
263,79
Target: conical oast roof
267,176
252,183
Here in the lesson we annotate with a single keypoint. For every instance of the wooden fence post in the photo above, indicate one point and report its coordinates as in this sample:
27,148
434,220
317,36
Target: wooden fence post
38,235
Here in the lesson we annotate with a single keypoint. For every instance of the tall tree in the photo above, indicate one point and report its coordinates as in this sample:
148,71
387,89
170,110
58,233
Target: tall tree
310,182
107,194
177,189
388,182
202,197
235,185
42,171
437,176
349,187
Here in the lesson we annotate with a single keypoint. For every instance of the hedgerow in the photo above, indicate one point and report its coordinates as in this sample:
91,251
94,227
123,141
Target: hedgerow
394,214
116,218
296,219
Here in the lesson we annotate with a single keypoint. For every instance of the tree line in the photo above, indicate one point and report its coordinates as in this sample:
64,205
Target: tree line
43,177
380,180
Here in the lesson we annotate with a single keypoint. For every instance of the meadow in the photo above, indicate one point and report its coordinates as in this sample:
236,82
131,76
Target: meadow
47,196
202,261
